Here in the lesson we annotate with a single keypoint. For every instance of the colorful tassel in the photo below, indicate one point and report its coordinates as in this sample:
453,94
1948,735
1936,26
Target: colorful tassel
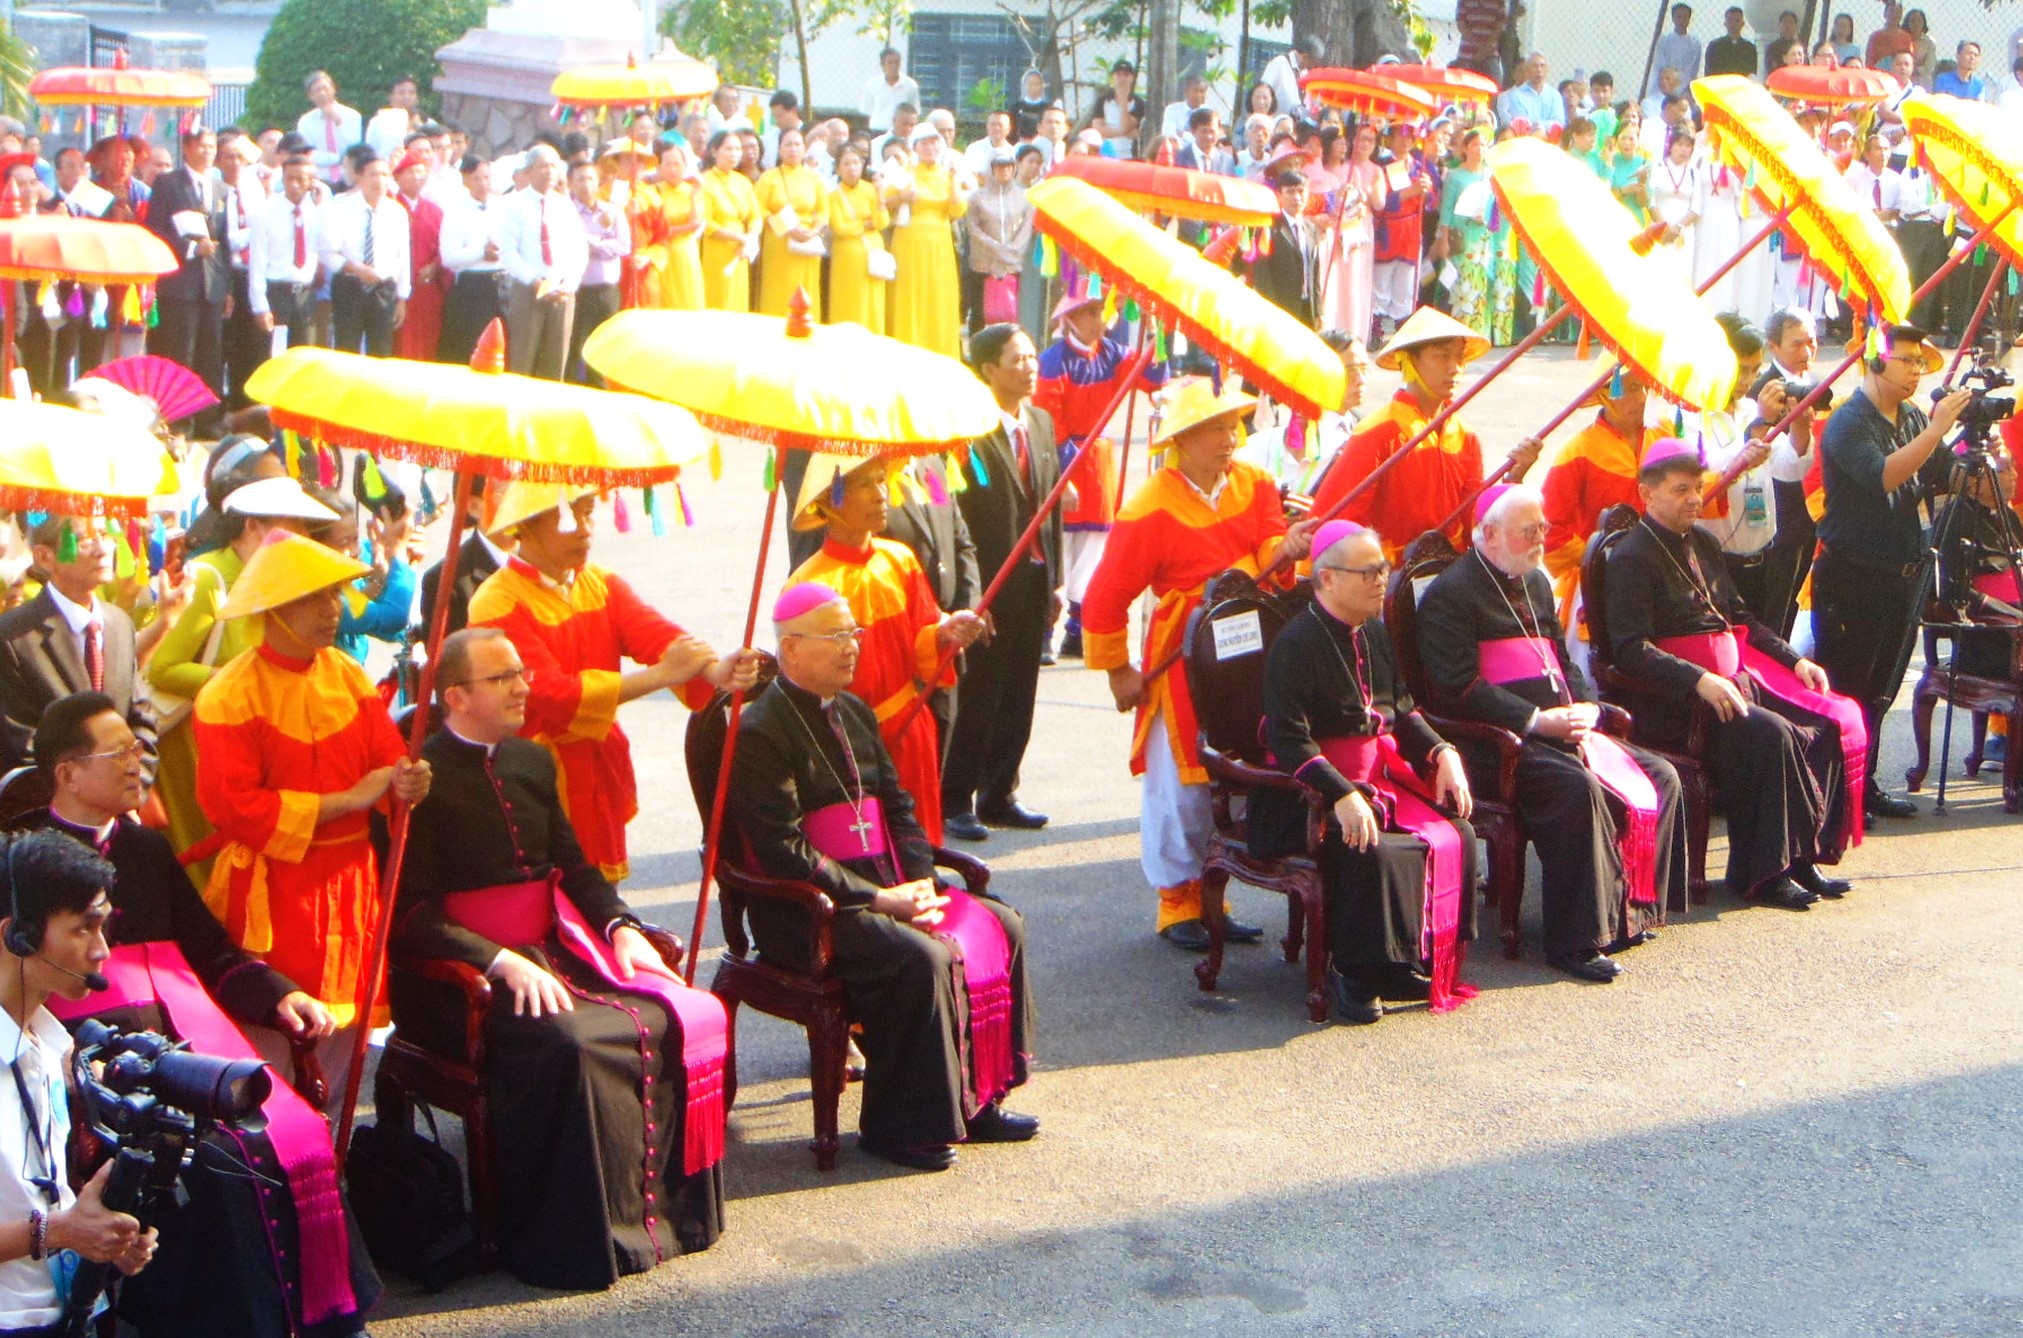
1616,383
375,482
957,480
716,459
771,476
621,514
158,543
1678,421
895,492
326,467
937,487
66,547
681,500
976,465
836,490
656,515
1131,310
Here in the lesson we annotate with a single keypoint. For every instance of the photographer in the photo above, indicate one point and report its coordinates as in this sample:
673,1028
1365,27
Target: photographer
260,1246
1865,584
55,932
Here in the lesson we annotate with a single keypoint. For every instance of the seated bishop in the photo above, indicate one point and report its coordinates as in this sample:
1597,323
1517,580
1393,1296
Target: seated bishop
1397,854
936,977
272,1253
1787,754
1603,816
605,1071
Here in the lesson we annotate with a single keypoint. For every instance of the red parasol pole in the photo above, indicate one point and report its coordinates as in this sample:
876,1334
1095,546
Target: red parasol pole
712,846
1973,330
1132,371
1130,419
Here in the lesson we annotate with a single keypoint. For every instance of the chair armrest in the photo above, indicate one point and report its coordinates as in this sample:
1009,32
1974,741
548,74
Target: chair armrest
819,906
974,872
1616,683
1615,720
477,992
669,946
1508,746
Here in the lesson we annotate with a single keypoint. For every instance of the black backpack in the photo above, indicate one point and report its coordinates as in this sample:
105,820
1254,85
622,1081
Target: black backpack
407,1193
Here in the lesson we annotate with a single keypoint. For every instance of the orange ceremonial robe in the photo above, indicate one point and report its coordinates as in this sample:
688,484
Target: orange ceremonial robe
575,640
890,597
1169,539
1594,471
1414,495
273,736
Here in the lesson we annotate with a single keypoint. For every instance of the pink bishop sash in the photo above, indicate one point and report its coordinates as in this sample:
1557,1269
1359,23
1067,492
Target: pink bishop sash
157,973
1374,760
1514,659
843,832
516,915
1728,653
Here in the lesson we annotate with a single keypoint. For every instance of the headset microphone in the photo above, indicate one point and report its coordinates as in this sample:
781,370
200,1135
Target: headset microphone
93,980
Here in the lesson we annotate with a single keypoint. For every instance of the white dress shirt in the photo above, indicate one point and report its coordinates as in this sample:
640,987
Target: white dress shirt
1880,193
881,99
1751,522
520,240
270,257
466,232
27,1288
1282,79
79,617
243,202
329,136
344,238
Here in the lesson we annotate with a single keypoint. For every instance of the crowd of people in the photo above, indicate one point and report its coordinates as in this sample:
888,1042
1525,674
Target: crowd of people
216,766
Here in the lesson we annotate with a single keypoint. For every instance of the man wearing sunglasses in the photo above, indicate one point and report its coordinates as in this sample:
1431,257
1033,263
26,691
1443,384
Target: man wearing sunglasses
232,1259
1604,817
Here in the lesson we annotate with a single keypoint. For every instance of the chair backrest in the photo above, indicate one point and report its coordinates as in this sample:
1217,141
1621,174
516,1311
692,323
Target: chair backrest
1609,530
24,793
702,750
1426,557
1226,642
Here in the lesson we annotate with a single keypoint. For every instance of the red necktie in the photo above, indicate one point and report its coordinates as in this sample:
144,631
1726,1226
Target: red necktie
301,240
1022,448
1878,193
547,252
94,655
330,132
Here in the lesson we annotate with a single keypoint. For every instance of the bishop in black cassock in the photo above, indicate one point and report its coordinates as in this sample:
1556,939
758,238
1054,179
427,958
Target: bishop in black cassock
1328,677
1577,825
1777,770
587,1106
230,1254
805,745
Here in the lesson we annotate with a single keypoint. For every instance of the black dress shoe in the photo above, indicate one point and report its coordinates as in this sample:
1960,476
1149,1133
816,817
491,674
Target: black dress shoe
925,1157
1598,967
1878,803
995,1124
1071,645
1187,935
1009,814
1404,985
1236,931
1785,895
1353,1003
1636,940
964,827
1812,880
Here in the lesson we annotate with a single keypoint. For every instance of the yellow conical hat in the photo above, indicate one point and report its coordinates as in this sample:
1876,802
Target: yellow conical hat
521,501
824,468
284,569
1427,326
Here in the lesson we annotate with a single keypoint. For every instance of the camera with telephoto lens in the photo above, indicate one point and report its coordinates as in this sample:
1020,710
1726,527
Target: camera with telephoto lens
150,1098
1985,409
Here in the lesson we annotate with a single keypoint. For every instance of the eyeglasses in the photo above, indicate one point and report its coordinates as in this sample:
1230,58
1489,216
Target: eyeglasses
505,680
129,753
1530,533
1372,573
854,634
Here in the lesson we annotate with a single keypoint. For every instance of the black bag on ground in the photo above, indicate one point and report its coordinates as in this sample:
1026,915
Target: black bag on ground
407,1193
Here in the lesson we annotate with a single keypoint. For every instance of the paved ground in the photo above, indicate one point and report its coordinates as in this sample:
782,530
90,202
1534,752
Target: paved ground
1774,1123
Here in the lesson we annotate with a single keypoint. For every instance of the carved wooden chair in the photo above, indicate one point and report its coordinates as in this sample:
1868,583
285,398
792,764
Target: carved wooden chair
809,997
450,1076
1495,818
1940,682
24,795
1228,693
1631,693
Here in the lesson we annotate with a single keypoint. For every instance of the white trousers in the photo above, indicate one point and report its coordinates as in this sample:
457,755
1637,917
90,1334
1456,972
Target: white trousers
1175,820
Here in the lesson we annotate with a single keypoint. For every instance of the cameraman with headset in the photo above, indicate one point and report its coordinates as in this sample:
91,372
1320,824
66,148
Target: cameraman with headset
57,906
1866,584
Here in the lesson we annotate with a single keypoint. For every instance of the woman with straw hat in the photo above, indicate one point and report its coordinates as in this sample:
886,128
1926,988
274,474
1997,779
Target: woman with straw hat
1200,515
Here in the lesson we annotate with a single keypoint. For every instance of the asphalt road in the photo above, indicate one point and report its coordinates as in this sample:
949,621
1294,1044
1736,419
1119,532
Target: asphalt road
1774,1123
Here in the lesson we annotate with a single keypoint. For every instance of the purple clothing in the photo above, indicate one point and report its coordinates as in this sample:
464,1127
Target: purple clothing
610,242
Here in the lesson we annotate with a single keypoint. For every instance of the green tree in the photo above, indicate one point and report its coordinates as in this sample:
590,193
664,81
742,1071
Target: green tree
741,37
364,44
17,67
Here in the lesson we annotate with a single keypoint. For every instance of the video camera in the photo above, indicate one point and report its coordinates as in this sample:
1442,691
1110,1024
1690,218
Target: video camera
1985,409
150,1098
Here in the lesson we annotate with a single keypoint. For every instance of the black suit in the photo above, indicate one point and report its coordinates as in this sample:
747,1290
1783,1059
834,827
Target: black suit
191,328
474,563
939,537
1290,276
40,662
994,719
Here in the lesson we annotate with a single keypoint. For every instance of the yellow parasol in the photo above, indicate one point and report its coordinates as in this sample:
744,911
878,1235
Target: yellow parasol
1171,282
500,425
1176,192
1447,84
52,247
1368,94
1811,86
76,463
1584,240
666,79
1976,155
837,388
1788,172
94,86
477,420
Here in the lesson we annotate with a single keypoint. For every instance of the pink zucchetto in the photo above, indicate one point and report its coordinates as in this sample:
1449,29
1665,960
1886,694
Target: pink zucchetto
796,600
1489,498
1332,533
1667,449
